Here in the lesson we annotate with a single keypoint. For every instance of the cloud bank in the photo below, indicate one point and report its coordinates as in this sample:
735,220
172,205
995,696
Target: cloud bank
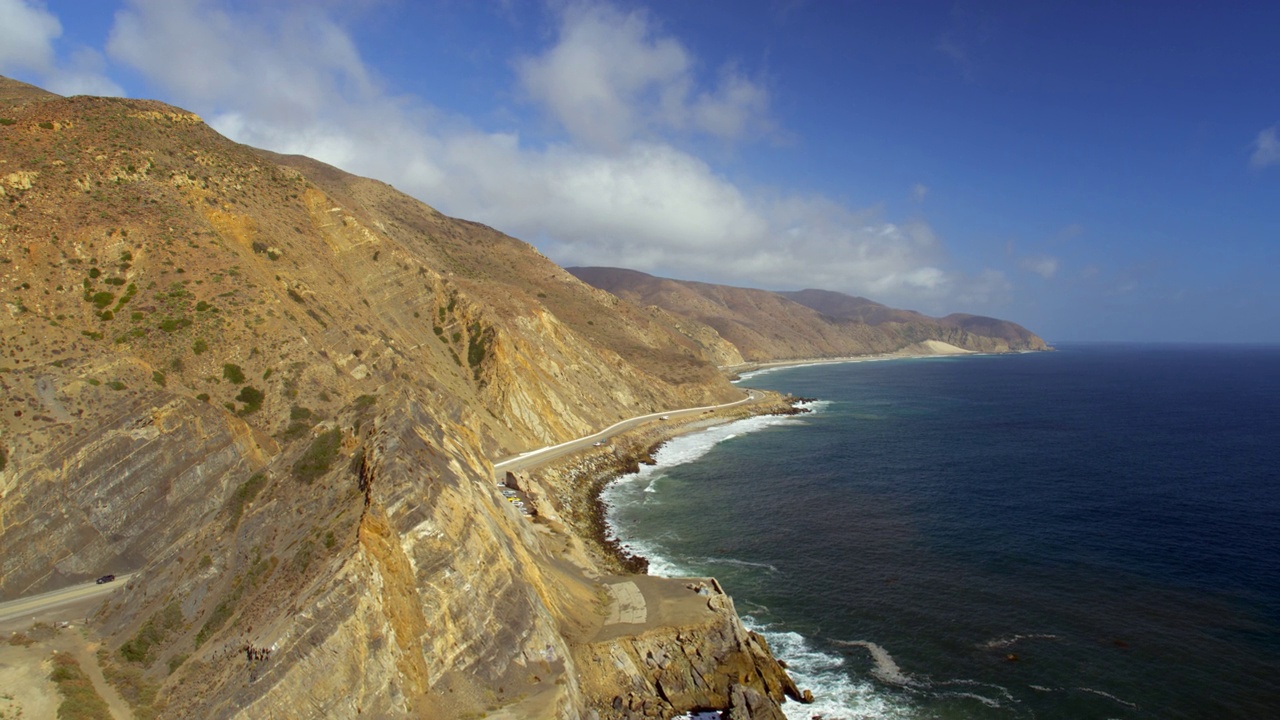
1266,148
619,187
28,33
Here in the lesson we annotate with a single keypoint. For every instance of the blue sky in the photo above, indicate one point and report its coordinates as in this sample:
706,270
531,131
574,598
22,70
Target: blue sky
1095,171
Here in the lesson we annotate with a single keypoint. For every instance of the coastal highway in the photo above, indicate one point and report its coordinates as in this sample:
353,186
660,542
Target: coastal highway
38,605
532,458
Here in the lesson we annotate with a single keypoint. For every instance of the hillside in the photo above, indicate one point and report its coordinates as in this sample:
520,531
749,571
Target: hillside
766,326
275,390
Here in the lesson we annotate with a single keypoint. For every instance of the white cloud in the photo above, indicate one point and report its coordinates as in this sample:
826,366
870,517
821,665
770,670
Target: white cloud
28,32
1266,148
1046,266
291,80
611,77
919,191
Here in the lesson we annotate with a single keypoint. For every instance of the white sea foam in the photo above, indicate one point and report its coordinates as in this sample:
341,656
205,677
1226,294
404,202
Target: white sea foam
989,702
837,696
738,563
689,448
1007,641
1109,696
886,669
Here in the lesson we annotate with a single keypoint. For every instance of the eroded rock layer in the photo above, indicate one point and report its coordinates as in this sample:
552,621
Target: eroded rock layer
274,391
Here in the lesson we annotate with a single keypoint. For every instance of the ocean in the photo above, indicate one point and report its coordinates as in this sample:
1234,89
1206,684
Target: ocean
1087,533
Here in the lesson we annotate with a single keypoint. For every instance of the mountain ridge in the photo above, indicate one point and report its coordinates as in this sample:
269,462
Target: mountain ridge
768,326
275,390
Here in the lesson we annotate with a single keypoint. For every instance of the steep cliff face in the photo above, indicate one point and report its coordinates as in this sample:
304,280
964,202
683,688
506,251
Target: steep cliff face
152,264
399,583
274,390
764,326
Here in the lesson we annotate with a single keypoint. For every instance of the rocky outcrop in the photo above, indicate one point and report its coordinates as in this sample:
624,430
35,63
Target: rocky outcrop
713,664
274,391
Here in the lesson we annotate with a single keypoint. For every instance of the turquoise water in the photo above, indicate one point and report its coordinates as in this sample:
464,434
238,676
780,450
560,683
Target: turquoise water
1089,533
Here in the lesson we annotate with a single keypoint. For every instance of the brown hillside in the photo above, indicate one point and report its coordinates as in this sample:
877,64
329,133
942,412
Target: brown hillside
767,326
274,390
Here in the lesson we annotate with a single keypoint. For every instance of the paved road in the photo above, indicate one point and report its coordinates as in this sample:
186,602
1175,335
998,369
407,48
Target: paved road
43,603
36,604
533,458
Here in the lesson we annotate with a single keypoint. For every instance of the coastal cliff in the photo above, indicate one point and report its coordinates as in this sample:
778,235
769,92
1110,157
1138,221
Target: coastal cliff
764,326
275,392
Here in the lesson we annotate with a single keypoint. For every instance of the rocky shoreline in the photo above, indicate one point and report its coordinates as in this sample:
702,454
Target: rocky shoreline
578,481
664,670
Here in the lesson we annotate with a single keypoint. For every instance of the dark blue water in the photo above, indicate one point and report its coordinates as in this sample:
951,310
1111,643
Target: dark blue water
1090,533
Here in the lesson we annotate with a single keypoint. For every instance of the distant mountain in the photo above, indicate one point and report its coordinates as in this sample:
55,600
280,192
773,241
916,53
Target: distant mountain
769,326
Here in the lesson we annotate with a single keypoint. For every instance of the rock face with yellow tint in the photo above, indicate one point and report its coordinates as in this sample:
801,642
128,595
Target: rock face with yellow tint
275,392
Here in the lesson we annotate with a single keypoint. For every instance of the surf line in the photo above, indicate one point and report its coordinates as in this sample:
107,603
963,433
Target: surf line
886,669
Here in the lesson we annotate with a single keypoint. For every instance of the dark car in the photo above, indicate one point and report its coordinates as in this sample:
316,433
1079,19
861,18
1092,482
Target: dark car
106,579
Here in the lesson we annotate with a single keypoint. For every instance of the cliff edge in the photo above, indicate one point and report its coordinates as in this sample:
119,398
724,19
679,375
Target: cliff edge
274,392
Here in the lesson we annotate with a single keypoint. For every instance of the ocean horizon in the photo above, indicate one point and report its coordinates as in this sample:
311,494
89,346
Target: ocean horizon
1091,532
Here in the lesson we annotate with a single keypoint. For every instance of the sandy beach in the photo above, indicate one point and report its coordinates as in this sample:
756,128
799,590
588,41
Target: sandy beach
927,348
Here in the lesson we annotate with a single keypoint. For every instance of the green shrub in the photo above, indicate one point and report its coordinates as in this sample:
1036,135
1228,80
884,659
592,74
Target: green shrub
318,457
152,633
158,378
299,413
116,385
171,325
302,558
234,373
102,299
330,540
244,495
476,347
252,398
79,698
295,430
93,273
46,125
129,292
199,346
7,121
203,397
219,616
4,457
